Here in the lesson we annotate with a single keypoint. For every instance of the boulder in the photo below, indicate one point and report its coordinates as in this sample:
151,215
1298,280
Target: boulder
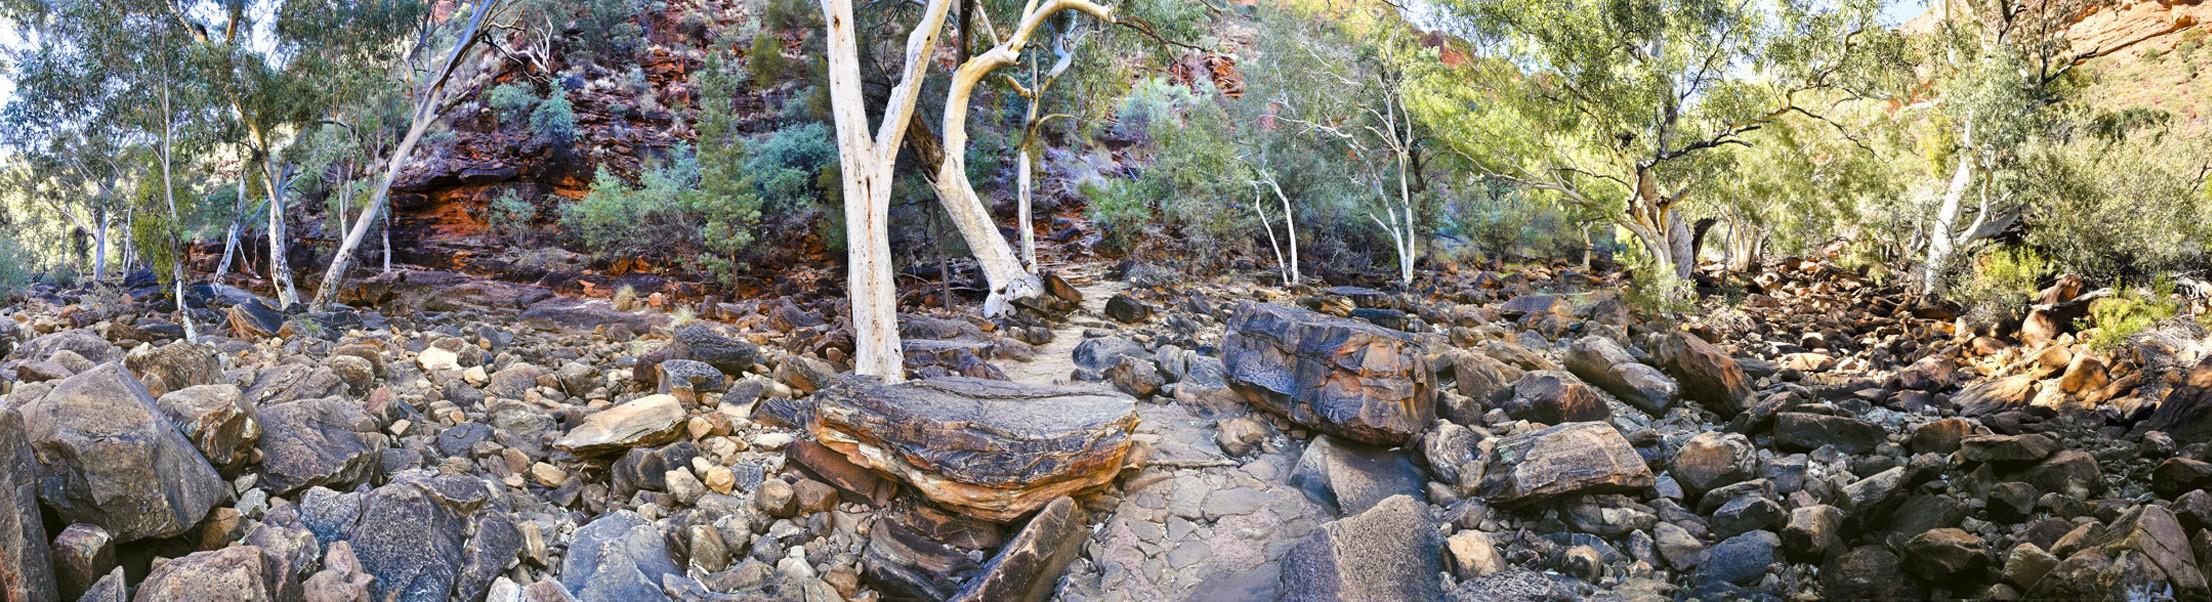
1345,377
318,442
690,380
1568,459
619,557
218,421
1350,477
1127,310
2144,548
1867,572
1993,396
1093,357
1713,459
2186,411
1602,362
24,558
425,538
643,422
1554,397
84,343
82,555
731,356
1706,374
174,366
1741,559
1802,431
240,573
108,456
1028,569
1945,554
905,563
1483,380
991,449
1389,552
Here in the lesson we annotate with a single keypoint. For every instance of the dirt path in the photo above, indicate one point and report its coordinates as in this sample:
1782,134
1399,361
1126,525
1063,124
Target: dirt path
1055,360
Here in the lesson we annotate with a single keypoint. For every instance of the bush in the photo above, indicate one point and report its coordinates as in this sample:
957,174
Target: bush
15,268
2002,282
2122,211
1120,214
795,167
509,217
555,118
608,33
2120,316
649,219
513,101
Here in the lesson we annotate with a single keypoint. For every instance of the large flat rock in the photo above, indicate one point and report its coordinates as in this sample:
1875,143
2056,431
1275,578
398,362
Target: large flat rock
991,449
1348,378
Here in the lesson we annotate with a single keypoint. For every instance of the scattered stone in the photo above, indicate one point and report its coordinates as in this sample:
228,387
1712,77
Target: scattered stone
618,557
1800,431
1713,459
1943,555
731,356
1473,554
82,555
174,366
1352,478
1741,559
240,573
1127,310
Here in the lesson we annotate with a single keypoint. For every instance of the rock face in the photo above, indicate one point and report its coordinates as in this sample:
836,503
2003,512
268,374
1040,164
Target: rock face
643,422
108,456
1345,377
25,563
1576,457
1604,363
328,442
1390,552
1707,374
992,449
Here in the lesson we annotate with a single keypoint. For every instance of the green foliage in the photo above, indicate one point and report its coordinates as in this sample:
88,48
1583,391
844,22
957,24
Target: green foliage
1119,210
555,118
608,33
509,217
727,200
649,219
513,101
2127,210
1500,222
1194,184
2003,281
15,268
2120,316
1652,285
795,168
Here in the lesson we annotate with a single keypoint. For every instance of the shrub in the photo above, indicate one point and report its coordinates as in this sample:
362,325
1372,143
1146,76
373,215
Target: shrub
1121,215
513,101
2120,316
795,167
555,118
2002,282
2125,208
509,217
608,32
646,219
625,298
15,268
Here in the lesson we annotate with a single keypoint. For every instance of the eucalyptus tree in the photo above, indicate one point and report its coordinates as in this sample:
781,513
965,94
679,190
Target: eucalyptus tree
440,49
1626,108
1999,69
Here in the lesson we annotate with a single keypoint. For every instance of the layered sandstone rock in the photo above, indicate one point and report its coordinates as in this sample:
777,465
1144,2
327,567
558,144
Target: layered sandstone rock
992,449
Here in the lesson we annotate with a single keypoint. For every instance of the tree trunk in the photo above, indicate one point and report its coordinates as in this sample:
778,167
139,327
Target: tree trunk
1941,244
230,237
426,101
1008,280
100,246
1023,221
866,169
1259,206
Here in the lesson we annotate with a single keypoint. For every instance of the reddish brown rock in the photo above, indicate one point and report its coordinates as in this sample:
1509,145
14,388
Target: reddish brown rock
1345,377
991,449
1706,373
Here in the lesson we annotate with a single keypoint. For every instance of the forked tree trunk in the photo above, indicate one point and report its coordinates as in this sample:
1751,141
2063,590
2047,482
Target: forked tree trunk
230,237
1005,273
1941,245
866,167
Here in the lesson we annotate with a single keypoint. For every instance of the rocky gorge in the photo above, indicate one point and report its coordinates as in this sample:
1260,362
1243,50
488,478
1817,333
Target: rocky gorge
1517,435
